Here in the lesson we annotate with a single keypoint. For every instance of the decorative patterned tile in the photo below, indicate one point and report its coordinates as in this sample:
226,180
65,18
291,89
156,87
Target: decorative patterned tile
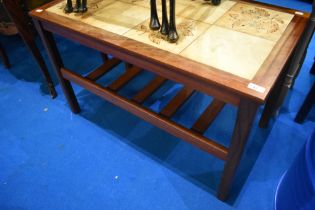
239,41
117,17
257,21
188,31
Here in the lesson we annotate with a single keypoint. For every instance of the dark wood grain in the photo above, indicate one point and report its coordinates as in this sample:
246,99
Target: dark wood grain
225,86
245,117
149,89
207,117
104,57
306,106
124,78
293,67
4,57
179,131
54,56
103,69
15,12
181,97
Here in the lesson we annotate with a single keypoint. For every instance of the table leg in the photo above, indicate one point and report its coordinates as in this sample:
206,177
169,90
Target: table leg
4,57
307,106
293,69
104,57
30,44
54,56
245,117
313,68
270,108
16,14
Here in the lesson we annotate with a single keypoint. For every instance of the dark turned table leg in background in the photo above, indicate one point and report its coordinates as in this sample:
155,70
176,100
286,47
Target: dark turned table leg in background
16,14
4,58
272,100
313,68
279,93
245,117
307,106
104,57
31,45
54,56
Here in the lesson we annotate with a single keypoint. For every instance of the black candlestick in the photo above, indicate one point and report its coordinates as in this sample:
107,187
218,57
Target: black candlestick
69,8
83,7
154,19
165,27
77,6
172,35
215,2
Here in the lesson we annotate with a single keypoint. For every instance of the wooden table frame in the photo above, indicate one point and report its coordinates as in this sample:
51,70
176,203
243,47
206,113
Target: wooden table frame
176,68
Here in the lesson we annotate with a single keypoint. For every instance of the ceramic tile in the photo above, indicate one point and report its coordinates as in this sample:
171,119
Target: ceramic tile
117,17
231,51
250,19
202,10
188,31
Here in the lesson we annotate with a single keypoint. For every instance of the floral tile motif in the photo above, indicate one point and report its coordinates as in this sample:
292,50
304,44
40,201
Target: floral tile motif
188,31
114,16
257,21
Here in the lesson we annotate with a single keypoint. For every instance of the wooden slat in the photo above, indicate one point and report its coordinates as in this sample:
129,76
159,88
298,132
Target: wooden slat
125,78
208,116
177,101
179,131
103,69
149,89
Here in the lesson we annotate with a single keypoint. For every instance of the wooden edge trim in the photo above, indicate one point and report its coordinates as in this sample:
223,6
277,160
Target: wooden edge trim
203,85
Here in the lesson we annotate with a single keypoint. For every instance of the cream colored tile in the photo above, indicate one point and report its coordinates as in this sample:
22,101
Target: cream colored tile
92,5
203,11
117,17
250,19
199,10
231,51
188,31
146,3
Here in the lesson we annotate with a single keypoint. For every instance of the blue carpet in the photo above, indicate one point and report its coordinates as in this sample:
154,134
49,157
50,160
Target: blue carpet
106,158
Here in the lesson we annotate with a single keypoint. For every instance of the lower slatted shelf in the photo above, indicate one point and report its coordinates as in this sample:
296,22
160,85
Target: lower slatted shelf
162,119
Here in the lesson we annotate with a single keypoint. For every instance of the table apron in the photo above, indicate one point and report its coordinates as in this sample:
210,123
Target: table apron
217,91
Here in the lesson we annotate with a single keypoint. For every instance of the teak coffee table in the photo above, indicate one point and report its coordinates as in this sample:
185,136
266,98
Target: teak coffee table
234,52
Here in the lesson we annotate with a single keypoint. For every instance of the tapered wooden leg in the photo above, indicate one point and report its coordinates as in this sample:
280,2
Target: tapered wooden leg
127,66
14,10
104,57
296,62
4,57
245,117
307,106
57,63
313,68
270,107
31,45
